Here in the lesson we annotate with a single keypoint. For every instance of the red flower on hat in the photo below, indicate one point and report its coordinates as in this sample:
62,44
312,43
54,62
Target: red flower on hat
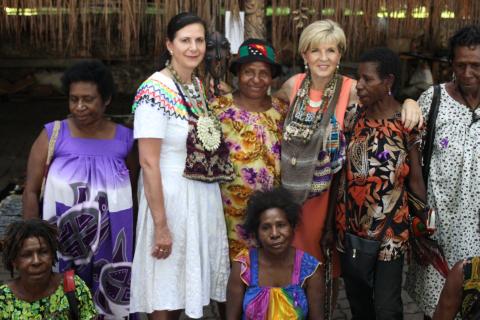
259,47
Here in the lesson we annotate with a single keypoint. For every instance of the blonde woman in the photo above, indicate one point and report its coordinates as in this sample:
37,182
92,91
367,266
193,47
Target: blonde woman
313,146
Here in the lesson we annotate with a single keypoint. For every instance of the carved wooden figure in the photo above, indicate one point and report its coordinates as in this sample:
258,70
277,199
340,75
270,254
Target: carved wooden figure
217,57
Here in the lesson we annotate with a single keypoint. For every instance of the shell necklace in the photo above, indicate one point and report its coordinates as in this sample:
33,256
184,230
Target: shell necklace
208,127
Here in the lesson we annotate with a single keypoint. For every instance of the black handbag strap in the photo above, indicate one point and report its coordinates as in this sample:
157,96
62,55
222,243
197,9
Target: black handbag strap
73,305
430,136
69,290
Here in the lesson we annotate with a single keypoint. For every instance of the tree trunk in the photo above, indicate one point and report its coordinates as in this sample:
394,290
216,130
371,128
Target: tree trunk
255,19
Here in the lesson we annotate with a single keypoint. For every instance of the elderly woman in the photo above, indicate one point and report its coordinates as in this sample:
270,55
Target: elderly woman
88,187
30,248
453,180
181,257
313,146
382,157
274,280
252,125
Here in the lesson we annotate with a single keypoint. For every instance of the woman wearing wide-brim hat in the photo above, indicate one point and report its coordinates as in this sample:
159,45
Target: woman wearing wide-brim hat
252,127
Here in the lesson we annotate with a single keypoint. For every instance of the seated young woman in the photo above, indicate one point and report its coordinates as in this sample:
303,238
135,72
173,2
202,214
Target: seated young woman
274,280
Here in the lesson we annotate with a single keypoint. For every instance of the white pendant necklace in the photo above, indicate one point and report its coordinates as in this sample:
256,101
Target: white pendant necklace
208,127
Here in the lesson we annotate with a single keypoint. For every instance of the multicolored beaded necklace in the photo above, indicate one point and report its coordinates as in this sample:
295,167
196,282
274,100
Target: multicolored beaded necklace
197,104
304,122
208,128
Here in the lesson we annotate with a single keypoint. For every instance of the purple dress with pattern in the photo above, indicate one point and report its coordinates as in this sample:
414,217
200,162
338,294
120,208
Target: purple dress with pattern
88,195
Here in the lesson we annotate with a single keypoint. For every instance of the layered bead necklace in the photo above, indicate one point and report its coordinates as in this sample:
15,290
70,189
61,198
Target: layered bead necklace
304,123
208,127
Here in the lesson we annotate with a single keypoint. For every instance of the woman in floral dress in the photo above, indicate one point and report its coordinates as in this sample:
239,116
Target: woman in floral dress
454,177
252,125
29,248
382,159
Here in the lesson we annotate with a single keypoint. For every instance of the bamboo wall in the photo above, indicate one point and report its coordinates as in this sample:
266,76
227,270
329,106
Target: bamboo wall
127,29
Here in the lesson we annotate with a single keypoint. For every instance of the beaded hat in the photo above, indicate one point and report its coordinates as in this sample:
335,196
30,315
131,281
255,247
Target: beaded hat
252,50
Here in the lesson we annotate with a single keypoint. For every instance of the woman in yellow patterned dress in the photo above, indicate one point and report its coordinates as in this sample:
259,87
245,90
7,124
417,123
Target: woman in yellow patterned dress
252,127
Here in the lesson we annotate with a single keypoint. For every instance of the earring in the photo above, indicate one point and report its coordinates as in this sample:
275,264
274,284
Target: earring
336,70
307,70
389,91
454,78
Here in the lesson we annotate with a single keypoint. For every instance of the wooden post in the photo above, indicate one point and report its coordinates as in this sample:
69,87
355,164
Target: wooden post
255,19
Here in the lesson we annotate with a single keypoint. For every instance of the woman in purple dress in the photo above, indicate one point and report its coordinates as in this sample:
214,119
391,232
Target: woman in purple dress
87,191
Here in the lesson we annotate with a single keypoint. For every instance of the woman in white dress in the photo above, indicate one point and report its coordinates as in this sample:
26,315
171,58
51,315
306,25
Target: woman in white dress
454,177
181,255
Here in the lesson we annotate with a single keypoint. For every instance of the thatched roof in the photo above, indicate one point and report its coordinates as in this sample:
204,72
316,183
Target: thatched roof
132,28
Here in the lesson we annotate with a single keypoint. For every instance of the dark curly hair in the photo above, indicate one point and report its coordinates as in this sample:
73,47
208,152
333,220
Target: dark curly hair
90,71
263,200
468,36
387,62
18,231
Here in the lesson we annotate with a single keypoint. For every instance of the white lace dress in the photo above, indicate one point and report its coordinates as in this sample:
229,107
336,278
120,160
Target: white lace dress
198,268
454,189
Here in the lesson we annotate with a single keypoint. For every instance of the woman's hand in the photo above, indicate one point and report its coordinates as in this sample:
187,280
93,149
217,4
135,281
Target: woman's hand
162,247
328,241
329,233
451,297
411,114
223,87
149,150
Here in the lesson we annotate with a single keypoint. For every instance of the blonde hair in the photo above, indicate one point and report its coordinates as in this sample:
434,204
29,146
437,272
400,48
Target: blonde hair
320,32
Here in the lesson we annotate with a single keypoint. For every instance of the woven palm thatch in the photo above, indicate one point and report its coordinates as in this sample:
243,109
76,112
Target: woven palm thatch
364,26
131,28
101,28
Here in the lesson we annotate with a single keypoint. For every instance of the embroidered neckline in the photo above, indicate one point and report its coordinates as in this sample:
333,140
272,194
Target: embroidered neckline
159,94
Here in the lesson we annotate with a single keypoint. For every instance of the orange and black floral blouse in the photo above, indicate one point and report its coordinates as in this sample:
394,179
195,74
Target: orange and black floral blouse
376,172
